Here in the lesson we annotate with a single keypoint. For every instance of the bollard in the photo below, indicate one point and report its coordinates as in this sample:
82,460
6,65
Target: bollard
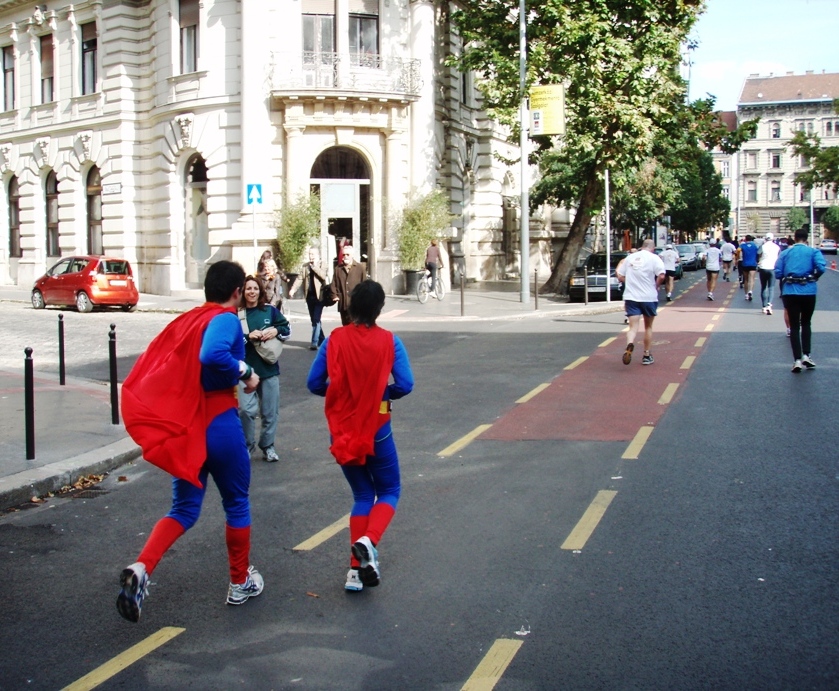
112,356
462,295
536,287
585,283
29,403
62,378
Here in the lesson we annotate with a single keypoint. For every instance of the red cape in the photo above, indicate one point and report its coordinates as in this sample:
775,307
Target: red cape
163,403
359,360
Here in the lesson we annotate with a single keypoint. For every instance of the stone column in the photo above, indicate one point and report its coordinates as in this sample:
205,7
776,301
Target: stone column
256,128
422,111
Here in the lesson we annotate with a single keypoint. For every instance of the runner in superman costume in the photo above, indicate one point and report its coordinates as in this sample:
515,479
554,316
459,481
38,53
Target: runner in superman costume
179,405
352,369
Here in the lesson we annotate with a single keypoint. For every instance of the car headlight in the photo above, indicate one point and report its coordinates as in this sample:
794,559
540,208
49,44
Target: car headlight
578,281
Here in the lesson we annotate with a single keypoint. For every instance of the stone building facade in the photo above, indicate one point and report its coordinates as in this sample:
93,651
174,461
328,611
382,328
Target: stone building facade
764,168
169,131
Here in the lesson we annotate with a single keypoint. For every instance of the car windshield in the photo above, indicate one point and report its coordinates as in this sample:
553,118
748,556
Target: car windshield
597,262
114,266
685,249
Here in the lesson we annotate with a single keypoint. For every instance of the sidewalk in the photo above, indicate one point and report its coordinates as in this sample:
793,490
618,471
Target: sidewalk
71,446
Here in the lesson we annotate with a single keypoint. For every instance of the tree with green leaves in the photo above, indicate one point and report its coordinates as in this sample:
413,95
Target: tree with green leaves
796,218
830,219
823,160
700,202
619,61
298,225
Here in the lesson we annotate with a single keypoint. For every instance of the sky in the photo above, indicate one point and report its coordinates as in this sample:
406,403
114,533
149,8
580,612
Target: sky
742,37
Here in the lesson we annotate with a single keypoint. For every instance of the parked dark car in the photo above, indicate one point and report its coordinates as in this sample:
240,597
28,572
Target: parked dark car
595,264
680,272
701,252
688,257
87,282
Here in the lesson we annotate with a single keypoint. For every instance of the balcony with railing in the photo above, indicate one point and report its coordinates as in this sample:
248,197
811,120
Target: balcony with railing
360,75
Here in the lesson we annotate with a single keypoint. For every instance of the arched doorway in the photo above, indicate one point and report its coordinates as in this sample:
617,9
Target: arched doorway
342,178
196,226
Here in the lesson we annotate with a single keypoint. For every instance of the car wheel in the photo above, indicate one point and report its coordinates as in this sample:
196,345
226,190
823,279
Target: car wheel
83,303
129,308
38,300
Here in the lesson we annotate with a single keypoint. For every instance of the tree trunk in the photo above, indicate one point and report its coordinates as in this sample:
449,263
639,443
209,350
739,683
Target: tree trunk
567,260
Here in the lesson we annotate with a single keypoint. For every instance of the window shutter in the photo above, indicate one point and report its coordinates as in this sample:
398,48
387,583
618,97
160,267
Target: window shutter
364,7
318,6
188,13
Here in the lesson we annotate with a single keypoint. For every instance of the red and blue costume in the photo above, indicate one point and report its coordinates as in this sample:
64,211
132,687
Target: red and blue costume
351,370
179,405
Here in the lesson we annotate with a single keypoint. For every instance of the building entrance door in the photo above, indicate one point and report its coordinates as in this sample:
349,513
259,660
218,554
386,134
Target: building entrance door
340,175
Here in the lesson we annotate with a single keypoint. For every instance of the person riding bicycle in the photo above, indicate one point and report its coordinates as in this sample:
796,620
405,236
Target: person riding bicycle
433,261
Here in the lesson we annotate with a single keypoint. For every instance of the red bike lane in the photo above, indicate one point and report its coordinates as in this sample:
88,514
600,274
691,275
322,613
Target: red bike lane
600,398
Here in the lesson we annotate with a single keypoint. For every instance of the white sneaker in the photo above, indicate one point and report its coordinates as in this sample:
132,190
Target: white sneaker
368,557
796,366
807,362
353,583
240,593
768,309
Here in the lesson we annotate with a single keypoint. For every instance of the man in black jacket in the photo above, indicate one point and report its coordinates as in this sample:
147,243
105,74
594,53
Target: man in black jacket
347,276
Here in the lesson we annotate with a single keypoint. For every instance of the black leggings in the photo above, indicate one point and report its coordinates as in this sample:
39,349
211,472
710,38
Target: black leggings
800,310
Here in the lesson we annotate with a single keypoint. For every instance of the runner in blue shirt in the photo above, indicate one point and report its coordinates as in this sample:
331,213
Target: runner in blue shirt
798,268
748,251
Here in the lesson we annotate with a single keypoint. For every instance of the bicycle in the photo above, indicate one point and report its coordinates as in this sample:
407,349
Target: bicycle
424,287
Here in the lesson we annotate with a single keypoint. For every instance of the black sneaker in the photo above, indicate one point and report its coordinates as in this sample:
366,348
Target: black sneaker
647,359
627,354
368,557
135,586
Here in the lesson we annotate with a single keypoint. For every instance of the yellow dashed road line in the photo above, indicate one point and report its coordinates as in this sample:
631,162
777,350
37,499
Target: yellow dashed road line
635,446
710,327
699,342
608,341
323,535
579,361
586,525
715,317
126,659
464,441
539,389
688,362
489,671
668,394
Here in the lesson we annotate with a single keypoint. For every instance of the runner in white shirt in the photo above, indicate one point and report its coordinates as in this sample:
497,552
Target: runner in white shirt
670,258
727,251
767,255
712,267
642,273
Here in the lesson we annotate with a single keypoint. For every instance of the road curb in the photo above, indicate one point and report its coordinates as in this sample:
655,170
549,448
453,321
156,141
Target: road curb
21,487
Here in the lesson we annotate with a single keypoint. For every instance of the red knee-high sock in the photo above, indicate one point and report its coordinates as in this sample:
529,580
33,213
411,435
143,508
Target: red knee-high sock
380,517
162,537
238,552
358,527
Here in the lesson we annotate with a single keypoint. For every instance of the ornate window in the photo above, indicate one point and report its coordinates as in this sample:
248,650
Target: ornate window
8,78
751,191
189,35
775,130
775,191
364,31
47,69
89,56
93,192
14,218
51,194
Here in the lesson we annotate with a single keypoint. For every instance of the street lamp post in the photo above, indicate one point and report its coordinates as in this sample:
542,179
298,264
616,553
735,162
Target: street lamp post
525,191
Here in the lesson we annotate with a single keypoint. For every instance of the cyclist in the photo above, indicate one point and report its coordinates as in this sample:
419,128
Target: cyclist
433,261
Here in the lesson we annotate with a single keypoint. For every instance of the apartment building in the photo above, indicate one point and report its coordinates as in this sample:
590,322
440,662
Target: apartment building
765,167
170,131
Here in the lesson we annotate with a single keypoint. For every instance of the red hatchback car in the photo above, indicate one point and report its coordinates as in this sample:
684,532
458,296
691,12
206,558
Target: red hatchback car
87,282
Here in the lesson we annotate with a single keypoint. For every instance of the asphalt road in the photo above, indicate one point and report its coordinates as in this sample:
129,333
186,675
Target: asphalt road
713,565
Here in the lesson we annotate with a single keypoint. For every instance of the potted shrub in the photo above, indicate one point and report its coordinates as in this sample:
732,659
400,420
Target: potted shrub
423,218
298,224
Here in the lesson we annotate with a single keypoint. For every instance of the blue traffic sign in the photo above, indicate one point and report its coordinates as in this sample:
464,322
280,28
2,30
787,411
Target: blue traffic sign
254,194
